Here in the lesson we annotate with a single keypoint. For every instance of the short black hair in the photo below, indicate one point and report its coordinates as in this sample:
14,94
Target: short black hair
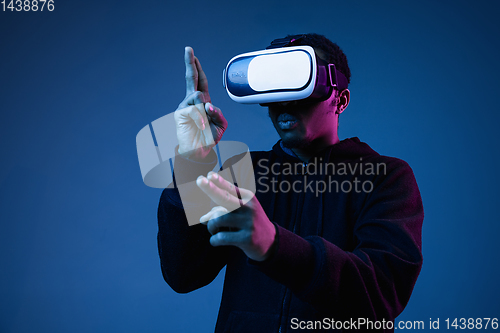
332,51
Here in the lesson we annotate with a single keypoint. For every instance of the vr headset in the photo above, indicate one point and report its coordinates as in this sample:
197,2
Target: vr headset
280,74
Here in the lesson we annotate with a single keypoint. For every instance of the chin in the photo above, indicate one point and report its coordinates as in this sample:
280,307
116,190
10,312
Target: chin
294,142
292,138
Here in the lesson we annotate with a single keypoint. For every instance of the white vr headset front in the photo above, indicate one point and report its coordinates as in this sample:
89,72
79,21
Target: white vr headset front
279,75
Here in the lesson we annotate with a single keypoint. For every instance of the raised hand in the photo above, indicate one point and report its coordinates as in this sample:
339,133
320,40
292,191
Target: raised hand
200,125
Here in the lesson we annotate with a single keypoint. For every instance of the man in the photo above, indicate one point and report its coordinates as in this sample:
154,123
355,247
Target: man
330,240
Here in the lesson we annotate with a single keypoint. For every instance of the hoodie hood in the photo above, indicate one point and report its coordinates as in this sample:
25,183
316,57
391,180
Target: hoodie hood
347,149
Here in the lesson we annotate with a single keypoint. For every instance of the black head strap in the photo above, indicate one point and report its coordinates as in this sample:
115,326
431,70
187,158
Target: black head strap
284,42
337,79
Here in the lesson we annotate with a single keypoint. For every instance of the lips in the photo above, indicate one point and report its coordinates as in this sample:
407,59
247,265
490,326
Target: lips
286,117
286,121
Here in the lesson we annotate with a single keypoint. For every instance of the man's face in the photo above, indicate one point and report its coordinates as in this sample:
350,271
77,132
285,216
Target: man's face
301,125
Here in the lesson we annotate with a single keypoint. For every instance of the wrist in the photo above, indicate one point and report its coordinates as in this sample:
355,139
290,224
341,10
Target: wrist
196,155
272,248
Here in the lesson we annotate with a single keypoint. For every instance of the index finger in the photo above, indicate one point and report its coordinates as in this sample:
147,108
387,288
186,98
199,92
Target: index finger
220,196
191,71
223,184
220,182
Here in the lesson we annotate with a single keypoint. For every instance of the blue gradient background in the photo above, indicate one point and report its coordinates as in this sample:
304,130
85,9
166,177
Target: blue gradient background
77,225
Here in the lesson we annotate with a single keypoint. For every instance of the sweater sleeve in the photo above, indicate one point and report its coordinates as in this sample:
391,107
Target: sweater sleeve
376,279
187,259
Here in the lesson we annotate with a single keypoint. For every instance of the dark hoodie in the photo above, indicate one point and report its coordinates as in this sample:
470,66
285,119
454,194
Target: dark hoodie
346,251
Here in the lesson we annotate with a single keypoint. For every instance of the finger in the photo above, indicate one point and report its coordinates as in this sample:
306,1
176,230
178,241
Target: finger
224,222
219,196
215,212
202,78
194,98
223,184
216,115
223,238
191,71
246,195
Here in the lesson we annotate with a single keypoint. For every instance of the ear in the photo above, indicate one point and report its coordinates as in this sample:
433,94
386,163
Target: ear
344,98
